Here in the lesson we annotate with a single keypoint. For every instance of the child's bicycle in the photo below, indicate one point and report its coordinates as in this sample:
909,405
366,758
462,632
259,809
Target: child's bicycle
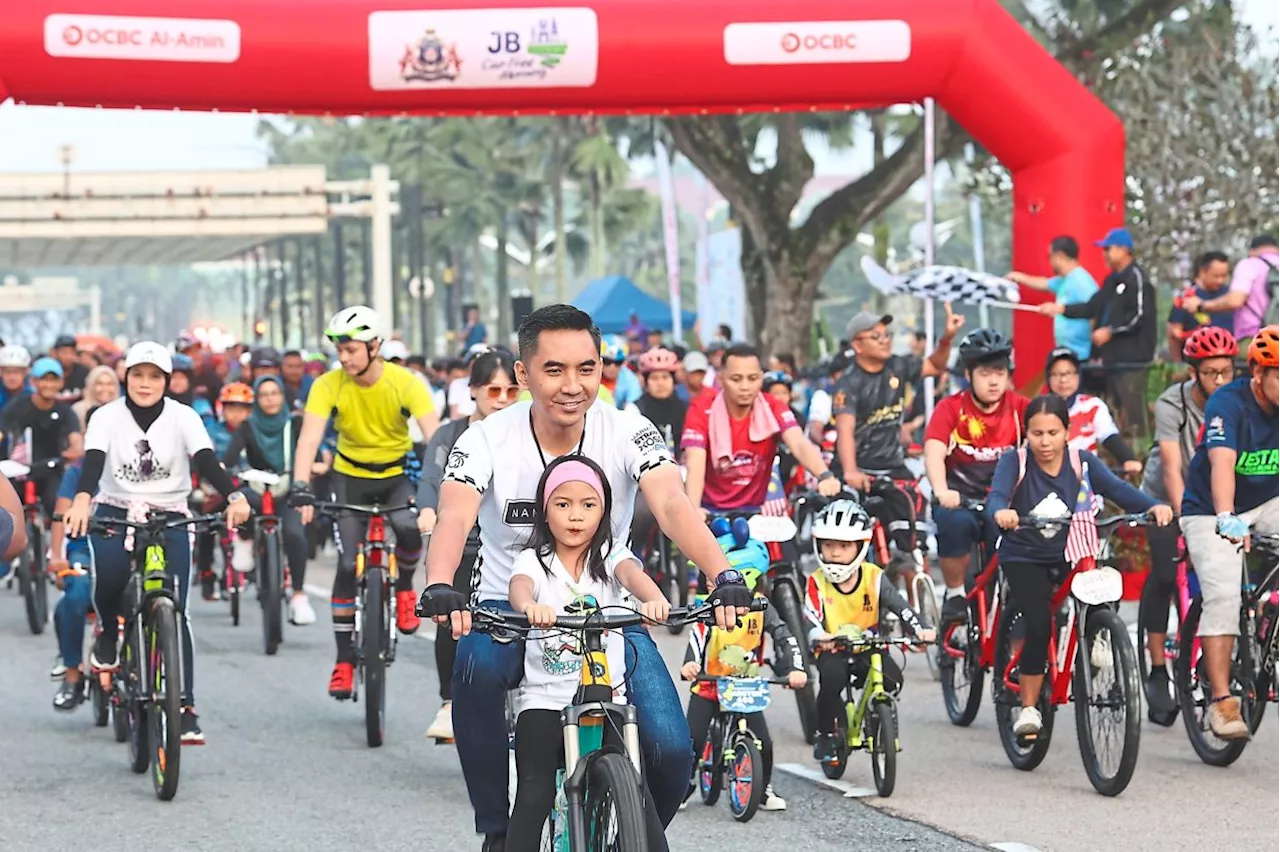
600,798
732,750
870,720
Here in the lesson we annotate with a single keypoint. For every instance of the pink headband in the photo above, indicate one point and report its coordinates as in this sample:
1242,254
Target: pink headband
571,471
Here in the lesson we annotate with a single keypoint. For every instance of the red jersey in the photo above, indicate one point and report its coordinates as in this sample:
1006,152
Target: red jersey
976,439
741,480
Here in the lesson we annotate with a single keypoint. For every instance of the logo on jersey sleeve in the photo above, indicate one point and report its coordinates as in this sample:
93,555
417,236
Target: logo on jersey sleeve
648,439
1215,430
519,513
1258,463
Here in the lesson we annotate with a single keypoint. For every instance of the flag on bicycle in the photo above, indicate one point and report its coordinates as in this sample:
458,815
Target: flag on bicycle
1082,532
775,499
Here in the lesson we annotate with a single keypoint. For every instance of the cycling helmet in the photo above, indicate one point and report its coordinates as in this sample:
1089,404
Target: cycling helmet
149,352
394,350
359,322
984,346
1062,353
613,348
656,360
65,340
751,559
182,363
236,393
1265,348
776,377
15,356
842,520
1209,341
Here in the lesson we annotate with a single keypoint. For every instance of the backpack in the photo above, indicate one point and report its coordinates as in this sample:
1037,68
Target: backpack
1072,453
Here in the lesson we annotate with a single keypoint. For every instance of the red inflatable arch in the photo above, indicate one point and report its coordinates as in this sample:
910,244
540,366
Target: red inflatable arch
465,57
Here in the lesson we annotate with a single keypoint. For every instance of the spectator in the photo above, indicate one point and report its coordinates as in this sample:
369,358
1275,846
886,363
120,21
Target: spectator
297,384
1253,289
635,330
458,395
919,344
695,377
654,340
1124,336
1212,271
473,331
724,334
1071,284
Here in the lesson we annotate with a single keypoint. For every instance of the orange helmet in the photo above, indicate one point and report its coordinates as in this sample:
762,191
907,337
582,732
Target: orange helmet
1265,348
236,393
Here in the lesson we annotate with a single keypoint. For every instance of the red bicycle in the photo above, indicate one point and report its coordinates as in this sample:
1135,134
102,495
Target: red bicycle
969,646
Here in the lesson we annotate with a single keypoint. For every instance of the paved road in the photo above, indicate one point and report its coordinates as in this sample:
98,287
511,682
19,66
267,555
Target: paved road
286,768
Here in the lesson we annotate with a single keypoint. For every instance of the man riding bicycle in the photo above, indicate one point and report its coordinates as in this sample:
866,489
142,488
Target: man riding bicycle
966,436
1232,489
370,402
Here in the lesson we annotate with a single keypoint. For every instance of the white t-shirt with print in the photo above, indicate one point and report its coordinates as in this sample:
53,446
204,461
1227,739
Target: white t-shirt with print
154,465
499,457
553,660
460,395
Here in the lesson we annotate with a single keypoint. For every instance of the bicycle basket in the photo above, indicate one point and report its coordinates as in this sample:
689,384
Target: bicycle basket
743,694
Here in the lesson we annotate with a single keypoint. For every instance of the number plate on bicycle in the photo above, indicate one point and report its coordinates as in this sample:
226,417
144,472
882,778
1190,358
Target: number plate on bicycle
743,694
1099,586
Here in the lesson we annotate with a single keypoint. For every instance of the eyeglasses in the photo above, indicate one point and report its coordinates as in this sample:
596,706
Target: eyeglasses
876,336
1224,375
496,392
1069,374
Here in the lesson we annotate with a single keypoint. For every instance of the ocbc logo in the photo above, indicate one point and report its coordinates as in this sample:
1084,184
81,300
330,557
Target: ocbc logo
791,42
74,35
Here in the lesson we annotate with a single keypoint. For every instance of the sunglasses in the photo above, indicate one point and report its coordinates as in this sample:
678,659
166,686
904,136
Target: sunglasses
496,392
609,362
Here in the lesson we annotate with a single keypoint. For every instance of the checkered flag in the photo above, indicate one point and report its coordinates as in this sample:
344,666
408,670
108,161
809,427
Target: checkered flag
943,283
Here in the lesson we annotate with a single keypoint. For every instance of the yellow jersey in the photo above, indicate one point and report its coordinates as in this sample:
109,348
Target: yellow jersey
831,609
372,421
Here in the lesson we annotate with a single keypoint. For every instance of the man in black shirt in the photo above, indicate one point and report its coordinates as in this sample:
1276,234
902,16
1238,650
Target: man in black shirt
1125,328
55,429
74,373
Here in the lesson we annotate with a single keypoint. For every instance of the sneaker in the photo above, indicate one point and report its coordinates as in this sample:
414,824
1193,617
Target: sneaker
1161,708
342,681
59,669
191,733
69,695
772,801
824,748
954,609
1225,719
494,843
407,619
300,611
103,656
442,726
1028,723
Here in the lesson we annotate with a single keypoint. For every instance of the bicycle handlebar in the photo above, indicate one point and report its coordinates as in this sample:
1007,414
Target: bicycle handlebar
706,678
969,503
361,508
874,642
1141,519
111,526
483,618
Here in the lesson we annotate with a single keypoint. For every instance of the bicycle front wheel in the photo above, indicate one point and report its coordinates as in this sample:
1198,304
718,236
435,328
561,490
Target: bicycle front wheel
881,726
1108,709
373,630
745,776
35,584
165,715
1191,683
135,696
1023,754
270,591
787,600
931,614
614,805
961,676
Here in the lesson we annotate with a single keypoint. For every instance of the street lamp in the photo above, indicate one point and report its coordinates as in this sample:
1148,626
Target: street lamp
66,155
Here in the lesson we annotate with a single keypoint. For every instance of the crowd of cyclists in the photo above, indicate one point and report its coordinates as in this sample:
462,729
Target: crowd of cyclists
514,459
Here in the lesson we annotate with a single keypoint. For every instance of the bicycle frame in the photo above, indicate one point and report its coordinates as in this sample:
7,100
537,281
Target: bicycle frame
1062,660
986,594
856,705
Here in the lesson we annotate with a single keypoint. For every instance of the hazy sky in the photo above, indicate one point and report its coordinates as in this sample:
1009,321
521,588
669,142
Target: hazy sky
107,140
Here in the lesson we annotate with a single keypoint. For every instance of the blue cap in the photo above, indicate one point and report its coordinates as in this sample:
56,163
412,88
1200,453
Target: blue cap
46,366
1116,237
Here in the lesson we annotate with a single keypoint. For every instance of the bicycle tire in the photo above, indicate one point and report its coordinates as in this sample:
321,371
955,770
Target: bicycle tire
786,599
98,701
373,664
1025,757
1127,682
711,770
1193,700
931,614
36,588
882,730
271,592
614,785
962,707
745,752
231,581
119,715
133,675
165,716
834,769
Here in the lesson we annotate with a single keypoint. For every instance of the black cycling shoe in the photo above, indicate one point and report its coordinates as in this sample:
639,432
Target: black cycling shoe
954,609
824,748
494,843
103,655
1161,708
69,695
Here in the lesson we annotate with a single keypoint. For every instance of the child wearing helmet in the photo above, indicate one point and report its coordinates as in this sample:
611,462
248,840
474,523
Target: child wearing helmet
848,592
615,376
235,402
739,653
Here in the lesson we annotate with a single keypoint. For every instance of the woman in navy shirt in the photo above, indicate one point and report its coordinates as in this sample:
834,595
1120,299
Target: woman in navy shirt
1032,558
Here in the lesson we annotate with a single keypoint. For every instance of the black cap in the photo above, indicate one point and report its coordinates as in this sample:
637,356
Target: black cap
64,340
1263,241
265,356
1062,353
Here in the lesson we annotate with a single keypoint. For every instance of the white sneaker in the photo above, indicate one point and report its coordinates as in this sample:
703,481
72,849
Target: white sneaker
1028,723
59,668
772,801
442,725
241,555
300,611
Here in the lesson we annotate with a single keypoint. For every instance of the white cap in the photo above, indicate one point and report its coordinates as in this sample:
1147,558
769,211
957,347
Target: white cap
393,349
149,352
14,356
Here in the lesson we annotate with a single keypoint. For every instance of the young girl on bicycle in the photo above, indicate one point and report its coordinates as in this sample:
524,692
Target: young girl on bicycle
572,561
1042,481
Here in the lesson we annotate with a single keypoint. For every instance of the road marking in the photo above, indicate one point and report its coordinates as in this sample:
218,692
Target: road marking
809,774
326,594
1014,847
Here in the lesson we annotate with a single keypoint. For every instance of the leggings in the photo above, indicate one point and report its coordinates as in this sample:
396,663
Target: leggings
112,565
1162,582
294,535
539,753
350,532
701,712
1030,588
446,645
835,671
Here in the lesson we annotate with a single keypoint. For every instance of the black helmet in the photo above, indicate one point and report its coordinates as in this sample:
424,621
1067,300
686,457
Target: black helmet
983,346
265,356
1062,353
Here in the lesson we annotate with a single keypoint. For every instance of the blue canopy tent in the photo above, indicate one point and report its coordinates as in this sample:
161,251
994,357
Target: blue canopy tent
611,302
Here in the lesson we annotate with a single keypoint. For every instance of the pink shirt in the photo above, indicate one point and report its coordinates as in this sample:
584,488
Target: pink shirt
1251,277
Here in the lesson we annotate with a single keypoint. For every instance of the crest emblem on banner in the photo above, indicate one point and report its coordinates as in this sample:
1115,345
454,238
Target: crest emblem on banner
430,60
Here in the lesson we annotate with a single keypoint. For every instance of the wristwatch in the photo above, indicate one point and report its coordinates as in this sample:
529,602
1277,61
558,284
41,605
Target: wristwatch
236,497
733,575
825,475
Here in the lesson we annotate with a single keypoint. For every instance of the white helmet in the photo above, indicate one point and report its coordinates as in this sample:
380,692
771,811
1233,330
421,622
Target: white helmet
393,349
842,520
14,356
149,352
358,322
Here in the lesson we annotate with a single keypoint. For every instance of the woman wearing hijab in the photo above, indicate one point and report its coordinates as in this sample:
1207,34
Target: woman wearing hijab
100,387
268,440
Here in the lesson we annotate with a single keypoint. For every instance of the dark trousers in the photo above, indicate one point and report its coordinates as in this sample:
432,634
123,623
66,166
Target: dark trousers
701,712
1162,582
1030,589
834,672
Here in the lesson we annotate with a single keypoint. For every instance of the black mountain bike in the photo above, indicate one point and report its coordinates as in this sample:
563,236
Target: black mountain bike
268,558
147,692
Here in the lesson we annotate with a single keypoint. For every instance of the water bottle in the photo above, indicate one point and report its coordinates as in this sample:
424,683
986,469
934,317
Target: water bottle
560,817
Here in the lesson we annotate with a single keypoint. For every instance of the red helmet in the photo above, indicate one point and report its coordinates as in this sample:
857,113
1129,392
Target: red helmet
1209,341
1265,348
236,393
658,359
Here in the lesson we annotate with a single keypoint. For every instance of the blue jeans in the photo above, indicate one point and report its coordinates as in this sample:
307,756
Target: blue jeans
960,529
486,669
69,616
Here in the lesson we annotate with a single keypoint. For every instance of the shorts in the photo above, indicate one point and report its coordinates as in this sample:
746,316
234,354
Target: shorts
1220,566
960,529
